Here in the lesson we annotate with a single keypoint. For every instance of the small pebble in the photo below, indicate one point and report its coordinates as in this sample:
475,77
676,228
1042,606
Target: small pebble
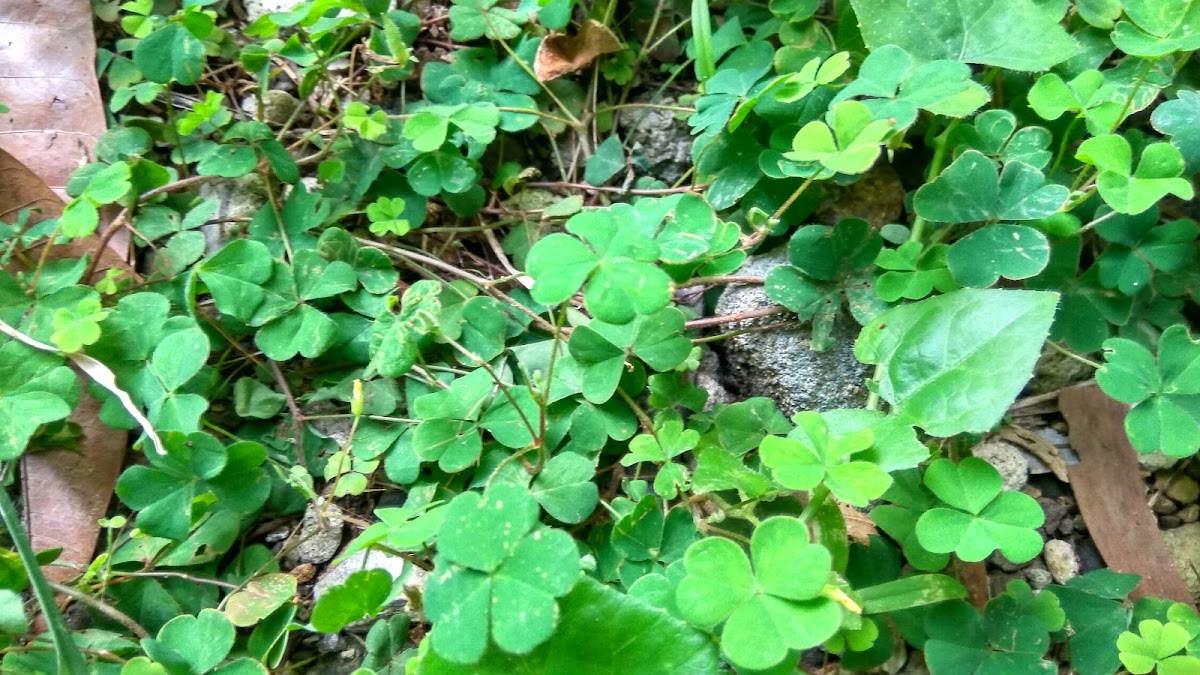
1184,489
1038,577
1189,513
1007,459
1061,560
1163,506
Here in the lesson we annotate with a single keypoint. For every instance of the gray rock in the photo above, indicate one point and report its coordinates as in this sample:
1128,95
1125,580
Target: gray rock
660,143
781,364
707,378
1038,577
1056,510
998,561
1055,370
1169,522
236,198
278,107
1184,490
1007,459
1184,545
1189,513
1163,506
1061,560
330,642
319,541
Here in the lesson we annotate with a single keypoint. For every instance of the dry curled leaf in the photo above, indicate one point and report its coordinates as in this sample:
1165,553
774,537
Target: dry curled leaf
560,54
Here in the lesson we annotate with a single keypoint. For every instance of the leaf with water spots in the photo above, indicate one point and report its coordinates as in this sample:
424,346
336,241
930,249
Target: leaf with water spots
498,574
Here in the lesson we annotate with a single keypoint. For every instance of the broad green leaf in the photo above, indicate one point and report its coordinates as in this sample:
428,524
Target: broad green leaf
1153,646
812,455
913,591
306,331
1017,34
987,342
995,134
259,598
78,326
179,357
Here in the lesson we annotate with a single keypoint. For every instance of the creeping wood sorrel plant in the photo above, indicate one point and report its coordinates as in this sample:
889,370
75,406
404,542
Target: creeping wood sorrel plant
488,373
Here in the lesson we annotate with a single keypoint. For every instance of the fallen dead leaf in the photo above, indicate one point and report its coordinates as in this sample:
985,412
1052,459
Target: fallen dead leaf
859,526
560,54
1111,496
48,81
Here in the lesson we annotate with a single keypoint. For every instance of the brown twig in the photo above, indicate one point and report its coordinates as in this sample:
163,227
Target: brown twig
722,279
297,416
730,318
562,185
109,611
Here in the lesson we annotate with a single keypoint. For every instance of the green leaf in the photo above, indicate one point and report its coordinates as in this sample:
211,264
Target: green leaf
1153,28
769,609
235,276
1180,119
848,141
982,518
170,53
995,134
1010,251
259,598
162,492
606,162
360,597
109,184
1133,191
600,631
895,87
228,161
1139,245
471,19
179,356
917,590
565,488
79,326
971,189
913,271
498,574
305,330
197,642
1151,646
385,216
370,125
12,614
1018,35
1166,395
988,342
811,455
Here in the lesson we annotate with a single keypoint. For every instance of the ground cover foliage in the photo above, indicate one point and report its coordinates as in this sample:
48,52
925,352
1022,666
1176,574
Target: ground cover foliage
455,258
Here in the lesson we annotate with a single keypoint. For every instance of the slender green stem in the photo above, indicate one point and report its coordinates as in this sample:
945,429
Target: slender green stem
816,499
1070,354
70,660
940,145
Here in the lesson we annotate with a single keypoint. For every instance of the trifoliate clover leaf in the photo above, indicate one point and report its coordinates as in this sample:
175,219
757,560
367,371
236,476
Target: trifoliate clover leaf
1180,119
1003,641
972,189
397,339
35,389
170,53
429,127
471,19
995,134
1157,645
1128,190
768,607
811,455
369,125
978,517
603,348
194,644
385,216
1166,408
913,271
908,500
979,259
360,597
894,445
1138,246
565,489
498,573
77,327
848,141
669,441
1151,29
894,86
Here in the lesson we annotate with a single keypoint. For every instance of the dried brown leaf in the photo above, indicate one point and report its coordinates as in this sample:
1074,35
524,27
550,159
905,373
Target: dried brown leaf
560,54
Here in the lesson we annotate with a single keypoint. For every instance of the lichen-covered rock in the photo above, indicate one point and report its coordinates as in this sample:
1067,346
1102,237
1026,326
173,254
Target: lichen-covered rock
660,143
320,535
1007,459
277,107
236,198
1055,370
781,364
1183,543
